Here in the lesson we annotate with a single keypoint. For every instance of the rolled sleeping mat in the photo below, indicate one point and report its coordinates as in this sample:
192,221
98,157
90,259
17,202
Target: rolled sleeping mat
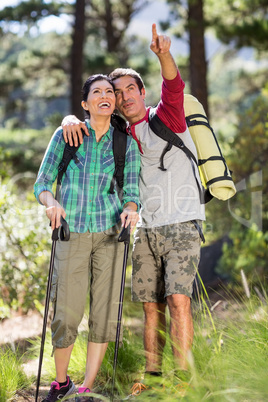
214,172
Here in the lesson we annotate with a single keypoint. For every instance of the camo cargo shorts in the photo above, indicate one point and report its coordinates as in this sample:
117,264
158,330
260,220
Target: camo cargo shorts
165,260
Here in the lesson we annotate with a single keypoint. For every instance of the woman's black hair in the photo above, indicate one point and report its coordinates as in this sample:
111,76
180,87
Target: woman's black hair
116,121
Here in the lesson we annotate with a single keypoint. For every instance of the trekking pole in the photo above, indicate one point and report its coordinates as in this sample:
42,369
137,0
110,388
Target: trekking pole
123,237
64,235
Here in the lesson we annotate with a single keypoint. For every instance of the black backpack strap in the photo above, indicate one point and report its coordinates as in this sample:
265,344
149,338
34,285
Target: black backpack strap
68,154
162,131
119,150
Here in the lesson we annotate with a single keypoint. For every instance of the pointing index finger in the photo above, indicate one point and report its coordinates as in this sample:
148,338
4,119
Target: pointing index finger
154,32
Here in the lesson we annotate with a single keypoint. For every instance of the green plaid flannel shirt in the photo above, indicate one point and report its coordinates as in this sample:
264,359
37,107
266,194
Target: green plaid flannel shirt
85,187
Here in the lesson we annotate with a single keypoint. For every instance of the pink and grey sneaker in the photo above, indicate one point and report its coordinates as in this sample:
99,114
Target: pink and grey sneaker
57,393
83,398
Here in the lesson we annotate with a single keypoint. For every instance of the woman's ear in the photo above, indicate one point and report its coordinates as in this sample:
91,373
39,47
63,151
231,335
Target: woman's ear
84,105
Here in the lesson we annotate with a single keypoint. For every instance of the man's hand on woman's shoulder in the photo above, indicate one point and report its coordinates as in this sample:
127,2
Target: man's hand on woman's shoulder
72,130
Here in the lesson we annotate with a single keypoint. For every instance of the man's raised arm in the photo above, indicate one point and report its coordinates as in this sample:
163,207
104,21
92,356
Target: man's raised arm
160,45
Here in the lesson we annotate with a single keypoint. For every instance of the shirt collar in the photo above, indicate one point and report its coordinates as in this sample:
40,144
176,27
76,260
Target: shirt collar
107,135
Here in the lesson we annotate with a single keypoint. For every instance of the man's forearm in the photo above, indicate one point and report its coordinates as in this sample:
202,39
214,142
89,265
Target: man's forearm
70,119
169,68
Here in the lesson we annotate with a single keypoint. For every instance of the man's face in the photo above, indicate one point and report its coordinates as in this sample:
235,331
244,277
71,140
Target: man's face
129,99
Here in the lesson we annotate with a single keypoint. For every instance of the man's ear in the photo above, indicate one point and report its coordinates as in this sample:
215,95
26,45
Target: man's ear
143,93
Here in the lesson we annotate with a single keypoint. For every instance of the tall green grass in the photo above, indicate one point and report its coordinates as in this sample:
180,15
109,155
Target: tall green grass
12,376
228,361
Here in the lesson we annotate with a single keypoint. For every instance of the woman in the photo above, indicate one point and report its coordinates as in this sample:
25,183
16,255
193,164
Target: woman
93,250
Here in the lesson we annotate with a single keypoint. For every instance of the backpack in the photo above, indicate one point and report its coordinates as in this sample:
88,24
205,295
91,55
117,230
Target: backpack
119,151
215,176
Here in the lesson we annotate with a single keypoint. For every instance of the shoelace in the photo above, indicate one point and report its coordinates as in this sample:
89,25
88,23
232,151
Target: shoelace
137,388
52,391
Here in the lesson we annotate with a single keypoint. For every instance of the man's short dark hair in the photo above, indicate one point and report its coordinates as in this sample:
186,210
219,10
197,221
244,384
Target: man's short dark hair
122,72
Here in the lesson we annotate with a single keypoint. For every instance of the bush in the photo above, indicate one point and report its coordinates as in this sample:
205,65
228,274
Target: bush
25,251
248,252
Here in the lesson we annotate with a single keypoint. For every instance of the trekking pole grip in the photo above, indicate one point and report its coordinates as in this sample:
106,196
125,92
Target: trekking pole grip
124,235
64,231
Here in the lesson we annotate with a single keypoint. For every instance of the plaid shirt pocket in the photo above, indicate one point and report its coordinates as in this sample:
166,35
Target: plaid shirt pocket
78,161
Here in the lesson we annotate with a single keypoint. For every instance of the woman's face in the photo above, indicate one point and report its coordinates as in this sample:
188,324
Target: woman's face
101,99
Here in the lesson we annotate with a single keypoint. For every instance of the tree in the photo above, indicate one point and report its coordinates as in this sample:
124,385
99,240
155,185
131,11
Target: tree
241,23
77,61
189,19
33,66
106,22
103,24
197,59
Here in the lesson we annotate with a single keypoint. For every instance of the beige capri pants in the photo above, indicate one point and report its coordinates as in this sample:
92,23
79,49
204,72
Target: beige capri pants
87,262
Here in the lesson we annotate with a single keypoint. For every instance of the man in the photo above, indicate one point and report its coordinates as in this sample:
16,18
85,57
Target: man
167,244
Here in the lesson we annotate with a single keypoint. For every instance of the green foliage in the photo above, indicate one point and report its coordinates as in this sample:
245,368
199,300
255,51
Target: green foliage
33,80
35,68
248,160
24,250
31,11
12,377
246,152
248,252
250,146
242,22
22,150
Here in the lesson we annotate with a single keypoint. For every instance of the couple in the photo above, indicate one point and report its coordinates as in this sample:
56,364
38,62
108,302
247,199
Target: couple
167,245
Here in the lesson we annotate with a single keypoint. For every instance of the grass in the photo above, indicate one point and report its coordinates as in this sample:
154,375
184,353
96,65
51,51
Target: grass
12,376
228,362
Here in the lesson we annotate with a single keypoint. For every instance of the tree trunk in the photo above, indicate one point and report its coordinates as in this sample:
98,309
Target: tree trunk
77,58
198,65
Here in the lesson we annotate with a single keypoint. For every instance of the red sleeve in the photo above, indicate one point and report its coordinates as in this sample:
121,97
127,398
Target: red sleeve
170,108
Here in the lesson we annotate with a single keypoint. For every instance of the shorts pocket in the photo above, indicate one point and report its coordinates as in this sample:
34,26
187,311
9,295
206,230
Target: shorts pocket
114,230
54,289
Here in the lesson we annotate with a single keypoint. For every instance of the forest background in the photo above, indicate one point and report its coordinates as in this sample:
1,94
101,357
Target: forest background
47,50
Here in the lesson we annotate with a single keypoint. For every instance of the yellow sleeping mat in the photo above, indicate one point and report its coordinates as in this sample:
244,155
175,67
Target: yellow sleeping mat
214,172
